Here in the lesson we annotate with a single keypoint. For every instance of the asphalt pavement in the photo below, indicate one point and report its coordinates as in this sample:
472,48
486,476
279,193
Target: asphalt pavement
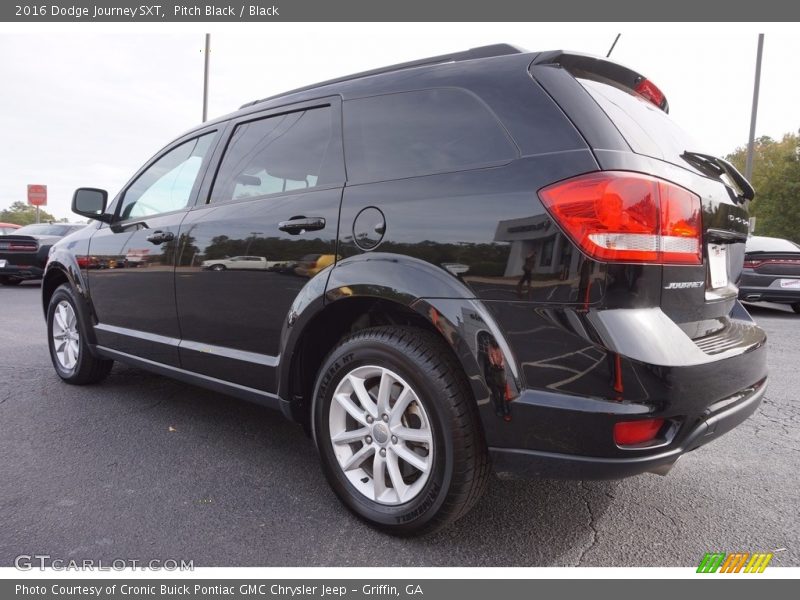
141,467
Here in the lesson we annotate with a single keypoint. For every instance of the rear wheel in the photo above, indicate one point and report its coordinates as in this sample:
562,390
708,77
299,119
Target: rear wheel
218,268
397,430
10,281
69,350
796,307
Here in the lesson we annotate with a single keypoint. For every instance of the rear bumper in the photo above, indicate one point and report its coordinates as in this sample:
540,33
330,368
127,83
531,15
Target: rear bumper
26,272
769,294
535,463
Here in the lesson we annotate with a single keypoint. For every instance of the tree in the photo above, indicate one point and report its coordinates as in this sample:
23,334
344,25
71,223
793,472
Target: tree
23,214
776,178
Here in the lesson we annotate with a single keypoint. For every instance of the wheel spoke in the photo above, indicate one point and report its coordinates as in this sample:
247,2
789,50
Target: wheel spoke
384,392
379,475
405,398
422,436
67,355
348,437
363,395
395,475
358,458
411,457
351,408
58,317
74,347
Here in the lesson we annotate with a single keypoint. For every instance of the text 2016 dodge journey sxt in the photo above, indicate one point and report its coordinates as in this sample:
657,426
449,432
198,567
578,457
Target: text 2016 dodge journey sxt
490,259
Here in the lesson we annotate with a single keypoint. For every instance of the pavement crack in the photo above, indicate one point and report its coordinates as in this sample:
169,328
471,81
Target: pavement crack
591,523
670,517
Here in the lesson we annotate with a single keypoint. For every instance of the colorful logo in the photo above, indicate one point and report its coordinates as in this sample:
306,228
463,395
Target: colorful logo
737,562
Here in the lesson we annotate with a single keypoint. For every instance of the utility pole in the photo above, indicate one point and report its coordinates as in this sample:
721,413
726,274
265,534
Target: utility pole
748,169
205,78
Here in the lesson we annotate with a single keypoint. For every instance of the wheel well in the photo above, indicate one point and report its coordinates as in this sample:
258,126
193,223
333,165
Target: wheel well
323,333
53,279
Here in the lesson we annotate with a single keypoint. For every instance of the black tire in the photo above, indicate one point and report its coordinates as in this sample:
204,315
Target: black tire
10,281
218,268
87,368
460,462
796,307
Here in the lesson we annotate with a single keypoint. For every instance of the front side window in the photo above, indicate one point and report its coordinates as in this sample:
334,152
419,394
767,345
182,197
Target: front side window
167,184
278,154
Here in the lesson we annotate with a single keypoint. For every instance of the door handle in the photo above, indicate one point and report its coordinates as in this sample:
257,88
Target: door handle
159,237
301,224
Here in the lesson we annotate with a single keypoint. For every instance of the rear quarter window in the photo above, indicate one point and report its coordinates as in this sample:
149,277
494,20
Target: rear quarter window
415,133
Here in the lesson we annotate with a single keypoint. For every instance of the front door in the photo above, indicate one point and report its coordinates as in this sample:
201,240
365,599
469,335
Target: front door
133,290
268,227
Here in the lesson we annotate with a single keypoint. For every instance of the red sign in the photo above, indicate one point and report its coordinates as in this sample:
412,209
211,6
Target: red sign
37,195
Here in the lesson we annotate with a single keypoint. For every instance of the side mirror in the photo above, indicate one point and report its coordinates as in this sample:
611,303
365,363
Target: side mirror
91,203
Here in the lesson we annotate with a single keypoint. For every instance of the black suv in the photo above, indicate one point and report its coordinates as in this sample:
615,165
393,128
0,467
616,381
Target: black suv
517,260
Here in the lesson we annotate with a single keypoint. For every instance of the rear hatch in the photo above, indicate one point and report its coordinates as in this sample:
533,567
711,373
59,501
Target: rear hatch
771,262
645,139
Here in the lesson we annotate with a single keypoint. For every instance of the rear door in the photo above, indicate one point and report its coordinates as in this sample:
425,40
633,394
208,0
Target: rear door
274,197
134,294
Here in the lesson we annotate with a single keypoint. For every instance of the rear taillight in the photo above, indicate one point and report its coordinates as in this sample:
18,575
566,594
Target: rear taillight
616,216
628,433
23,246
648,90
753,264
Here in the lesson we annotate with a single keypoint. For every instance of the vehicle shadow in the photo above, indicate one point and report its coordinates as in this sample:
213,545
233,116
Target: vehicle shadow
769,309
262,455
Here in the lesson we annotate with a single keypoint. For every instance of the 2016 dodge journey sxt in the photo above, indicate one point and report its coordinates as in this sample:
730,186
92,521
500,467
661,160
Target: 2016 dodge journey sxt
490,259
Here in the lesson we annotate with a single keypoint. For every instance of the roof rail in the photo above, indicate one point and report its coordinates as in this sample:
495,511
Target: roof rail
471,54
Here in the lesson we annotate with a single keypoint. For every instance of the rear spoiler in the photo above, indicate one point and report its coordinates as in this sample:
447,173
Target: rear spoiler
600,69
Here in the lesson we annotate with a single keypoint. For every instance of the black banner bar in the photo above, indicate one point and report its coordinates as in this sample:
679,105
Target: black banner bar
407,10
402,589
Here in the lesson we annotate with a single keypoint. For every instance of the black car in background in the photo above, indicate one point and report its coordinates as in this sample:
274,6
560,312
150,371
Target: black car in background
527,267
771,272
23,253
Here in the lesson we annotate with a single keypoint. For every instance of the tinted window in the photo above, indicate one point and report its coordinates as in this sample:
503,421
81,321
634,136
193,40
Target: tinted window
278,154
769,244
647,129
167,184
421,132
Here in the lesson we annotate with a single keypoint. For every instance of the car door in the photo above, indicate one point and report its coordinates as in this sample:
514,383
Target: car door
275,196
134,295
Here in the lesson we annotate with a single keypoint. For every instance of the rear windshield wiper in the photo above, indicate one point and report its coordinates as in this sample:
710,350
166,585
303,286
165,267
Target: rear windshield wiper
717,167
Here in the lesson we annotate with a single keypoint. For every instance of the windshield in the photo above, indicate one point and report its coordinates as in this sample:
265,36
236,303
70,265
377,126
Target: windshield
647,129
47,229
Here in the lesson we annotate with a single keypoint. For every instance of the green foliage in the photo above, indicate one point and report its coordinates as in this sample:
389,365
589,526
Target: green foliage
776,178
22,214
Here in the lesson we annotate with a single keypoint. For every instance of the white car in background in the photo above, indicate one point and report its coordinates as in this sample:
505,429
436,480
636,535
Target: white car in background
250,263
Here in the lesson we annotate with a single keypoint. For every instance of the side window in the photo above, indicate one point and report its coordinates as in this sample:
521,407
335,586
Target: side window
167,184
421,132
278,154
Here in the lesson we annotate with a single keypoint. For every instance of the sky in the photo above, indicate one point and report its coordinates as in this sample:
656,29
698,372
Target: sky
88,104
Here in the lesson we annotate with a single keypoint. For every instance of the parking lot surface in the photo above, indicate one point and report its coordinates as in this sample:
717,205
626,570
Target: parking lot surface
141,467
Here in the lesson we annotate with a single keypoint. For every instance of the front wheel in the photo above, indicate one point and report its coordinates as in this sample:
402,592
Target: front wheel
69,350
397,430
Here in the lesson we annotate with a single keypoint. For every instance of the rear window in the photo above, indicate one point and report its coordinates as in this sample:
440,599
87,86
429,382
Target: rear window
768,244
647,129
421,132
